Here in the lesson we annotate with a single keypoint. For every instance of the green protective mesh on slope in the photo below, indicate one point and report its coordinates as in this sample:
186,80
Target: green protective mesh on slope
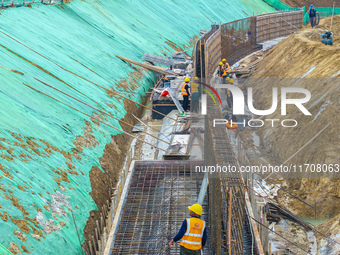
322,11
277,4
258,7
43,174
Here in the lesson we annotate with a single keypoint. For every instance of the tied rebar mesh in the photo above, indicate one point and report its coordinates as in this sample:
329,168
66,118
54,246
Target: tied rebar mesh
226,190
238,38
157,203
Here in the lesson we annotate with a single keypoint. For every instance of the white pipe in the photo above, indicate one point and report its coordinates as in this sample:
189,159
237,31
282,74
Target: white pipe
330,29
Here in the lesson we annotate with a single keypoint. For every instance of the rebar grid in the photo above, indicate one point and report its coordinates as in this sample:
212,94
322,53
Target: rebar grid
156,205
226,190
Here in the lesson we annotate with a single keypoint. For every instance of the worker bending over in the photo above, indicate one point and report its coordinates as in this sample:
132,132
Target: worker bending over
185,93
193,232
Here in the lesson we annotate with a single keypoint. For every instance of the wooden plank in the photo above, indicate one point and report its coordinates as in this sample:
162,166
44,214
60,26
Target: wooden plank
147,66
115,224
254,226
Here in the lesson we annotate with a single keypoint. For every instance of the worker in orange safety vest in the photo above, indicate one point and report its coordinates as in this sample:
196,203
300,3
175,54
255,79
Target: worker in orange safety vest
224,62
193,233
185,93
226,70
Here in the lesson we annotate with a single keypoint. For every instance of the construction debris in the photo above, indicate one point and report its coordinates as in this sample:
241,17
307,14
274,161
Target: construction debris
275,213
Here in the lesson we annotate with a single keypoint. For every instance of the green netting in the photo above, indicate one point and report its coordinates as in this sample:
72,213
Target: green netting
323,12
4,251
45,161
277,4
257,7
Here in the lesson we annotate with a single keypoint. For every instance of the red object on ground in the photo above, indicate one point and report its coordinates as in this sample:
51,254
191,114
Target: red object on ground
231,125
164,93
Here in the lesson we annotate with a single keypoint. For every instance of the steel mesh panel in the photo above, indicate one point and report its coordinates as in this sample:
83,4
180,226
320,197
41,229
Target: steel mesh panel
156,206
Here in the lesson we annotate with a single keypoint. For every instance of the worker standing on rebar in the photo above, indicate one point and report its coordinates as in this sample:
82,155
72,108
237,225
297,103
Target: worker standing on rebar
312,16
185,93
193,233
195,95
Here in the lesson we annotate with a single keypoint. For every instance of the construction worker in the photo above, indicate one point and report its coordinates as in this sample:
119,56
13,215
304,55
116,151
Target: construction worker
193,232
226,72
312,16
166,82
195,96
231,81
220,69
185,93
224,62
229,94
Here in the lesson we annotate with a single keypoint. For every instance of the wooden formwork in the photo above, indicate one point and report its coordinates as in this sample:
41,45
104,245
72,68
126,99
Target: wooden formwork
276,25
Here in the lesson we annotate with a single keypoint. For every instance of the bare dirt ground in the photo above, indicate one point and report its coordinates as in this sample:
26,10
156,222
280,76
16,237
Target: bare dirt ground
302,61
112,163
303,55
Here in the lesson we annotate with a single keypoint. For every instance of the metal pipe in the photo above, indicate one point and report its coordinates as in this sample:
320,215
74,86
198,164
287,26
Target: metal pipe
103,112
81,77
120,130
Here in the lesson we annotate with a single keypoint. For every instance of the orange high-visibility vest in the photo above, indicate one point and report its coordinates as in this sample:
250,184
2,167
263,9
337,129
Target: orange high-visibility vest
184,91
194,87
226,70
192,238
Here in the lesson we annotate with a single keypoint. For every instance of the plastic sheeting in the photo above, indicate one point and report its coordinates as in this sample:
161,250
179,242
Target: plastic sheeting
43,175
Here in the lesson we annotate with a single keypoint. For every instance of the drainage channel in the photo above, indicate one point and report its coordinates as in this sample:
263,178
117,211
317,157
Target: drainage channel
156,205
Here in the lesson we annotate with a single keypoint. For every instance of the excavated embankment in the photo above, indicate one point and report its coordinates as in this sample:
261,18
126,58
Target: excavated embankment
302,61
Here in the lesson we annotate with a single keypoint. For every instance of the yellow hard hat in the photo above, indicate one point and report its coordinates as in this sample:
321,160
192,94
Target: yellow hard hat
196,79
231,81
227,79
224,60
165,78
196,208
186,79
263,13
220,63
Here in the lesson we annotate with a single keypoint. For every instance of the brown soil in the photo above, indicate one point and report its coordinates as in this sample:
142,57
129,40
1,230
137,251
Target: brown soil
332,228
293,58
307,3
112,163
